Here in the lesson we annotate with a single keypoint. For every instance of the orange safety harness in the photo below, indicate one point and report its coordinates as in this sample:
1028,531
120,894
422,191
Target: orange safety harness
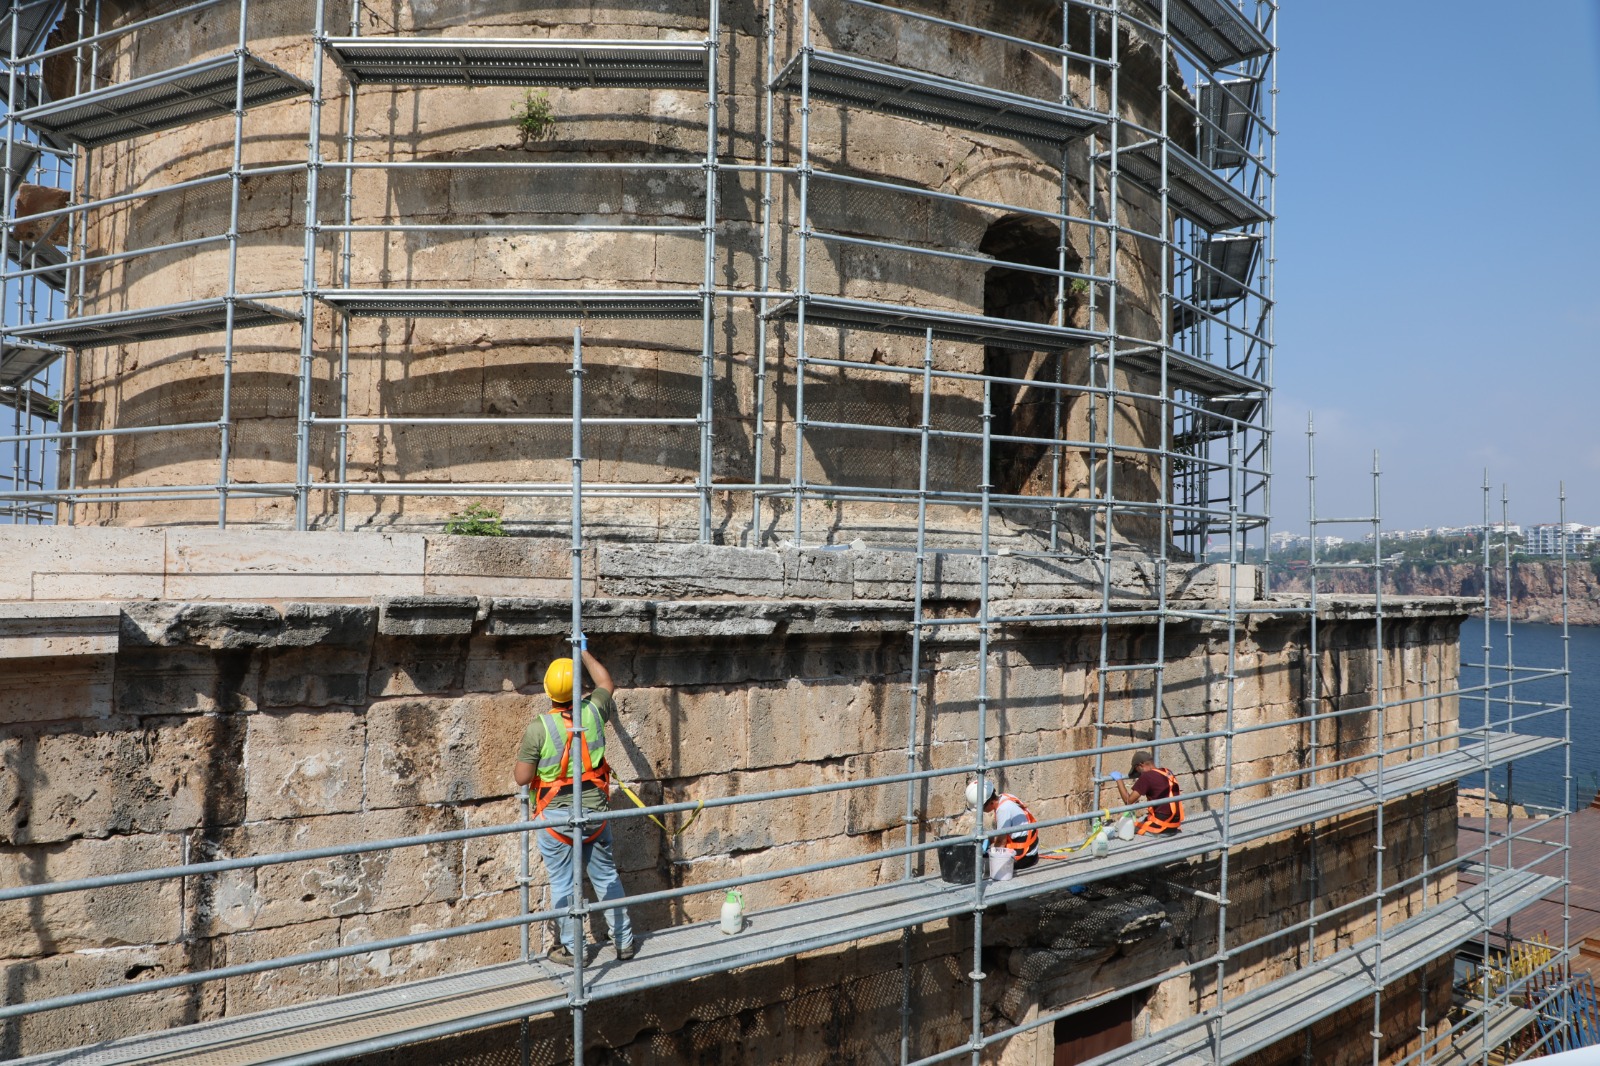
1154,823
1024,847
596,774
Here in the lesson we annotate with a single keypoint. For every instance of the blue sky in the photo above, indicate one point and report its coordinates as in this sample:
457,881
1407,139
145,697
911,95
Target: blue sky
1438,251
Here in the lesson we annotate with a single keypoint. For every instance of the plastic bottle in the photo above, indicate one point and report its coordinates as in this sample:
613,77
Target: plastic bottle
1099,839
1127,826
733,912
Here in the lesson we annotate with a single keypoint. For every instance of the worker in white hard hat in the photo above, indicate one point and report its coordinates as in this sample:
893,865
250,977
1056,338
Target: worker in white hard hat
1009,813
560,758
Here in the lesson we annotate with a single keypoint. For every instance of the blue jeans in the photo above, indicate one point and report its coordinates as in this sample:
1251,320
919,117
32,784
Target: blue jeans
602,877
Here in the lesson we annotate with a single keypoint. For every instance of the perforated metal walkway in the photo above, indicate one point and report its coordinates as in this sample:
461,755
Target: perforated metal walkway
162,101
842,313
336,1028
1216,31
151,323
944,101
495,303
1195,191
567,64
1188,372
1340,981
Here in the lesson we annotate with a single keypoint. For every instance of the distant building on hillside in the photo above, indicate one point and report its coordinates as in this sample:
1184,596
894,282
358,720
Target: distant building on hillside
1549,538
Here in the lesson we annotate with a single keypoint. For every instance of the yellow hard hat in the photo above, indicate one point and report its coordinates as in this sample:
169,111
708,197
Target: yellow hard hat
558,681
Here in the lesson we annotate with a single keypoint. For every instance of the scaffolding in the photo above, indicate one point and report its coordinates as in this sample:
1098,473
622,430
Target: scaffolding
1203,171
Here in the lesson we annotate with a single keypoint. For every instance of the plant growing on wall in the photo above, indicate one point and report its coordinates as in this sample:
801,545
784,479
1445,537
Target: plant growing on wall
534,118
478,520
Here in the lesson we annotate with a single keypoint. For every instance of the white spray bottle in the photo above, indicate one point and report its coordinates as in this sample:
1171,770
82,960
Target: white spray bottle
733,912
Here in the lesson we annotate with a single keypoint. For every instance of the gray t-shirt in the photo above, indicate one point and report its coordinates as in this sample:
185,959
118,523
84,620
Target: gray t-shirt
600,703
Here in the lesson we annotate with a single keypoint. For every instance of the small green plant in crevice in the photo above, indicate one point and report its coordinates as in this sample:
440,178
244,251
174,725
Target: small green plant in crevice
534,118
1079,286
479,520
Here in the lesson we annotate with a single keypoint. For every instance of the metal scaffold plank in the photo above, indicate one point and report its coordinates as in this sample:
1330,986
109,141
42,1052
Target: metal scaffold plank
30,401
892,90
1194,191
23,362
31,256
1344,979
504,992
499,303
1216,32
1189,372
842,313
161,101
152,323
557,63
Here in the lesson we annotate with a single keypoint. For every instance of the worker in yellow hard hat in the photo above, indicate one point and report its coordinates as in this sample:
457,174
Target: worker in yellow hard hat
556,758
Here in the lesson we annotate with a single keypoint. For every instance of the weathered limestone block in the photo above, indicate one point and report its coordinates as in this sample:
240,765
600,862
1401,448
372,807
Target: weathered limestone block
417,962
402,667
818,575
804,721
54,630
665,733
84,563
303,764
117,916
262,564
64,974
677,571
326,676
427,616
443,750
165,681
279,988
168,774
498,566
311,890
51,689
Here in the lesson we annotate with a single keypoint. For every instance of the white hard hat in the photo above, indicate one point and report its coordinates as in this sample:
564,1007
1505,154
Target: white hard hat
972,793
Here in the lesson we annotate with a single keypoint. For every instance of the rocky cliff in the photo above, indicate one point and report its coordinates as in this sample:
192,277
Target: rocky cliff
1535,587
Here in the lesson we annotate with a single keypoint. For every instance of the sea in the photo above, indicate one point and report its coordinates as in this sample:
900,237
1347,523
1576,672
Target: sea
1538,780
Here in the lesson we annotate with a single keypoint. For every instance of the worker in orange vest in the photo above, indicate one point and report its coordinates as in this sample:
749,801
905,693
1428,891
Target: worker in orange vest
1009,813
1152,782
558,756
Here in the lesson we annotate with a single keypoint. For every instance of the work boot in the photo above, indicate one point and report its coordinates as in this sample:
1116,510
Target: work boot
560,955
628,950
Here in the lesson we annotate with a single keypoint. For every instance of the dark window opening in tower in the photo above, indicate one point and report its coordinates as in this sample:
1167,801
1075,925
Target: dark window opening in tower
1029,296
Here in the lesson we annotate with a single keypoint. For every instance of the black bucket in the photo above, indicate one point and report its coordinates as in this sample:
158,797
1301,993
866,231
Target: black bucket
955,861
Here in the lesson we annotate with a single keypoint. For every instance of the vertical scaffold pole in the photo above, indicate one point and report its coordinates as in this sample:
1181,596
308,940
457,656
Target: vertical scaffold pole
709,276
980,870
1224,897
308,281
1381,701
1568,798
1488,793
763,330
230,299
1313,673
576,909
801,279
917,592
346,256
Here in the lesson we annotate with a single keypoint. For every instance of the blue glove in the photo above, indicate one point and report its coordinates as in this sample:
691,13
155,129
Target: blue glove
1116,775
583,642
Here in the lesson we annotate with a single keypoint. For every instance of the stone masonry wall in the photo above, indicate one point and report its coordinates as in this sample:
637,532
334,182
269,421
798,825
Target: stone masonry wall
215,729
449,367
